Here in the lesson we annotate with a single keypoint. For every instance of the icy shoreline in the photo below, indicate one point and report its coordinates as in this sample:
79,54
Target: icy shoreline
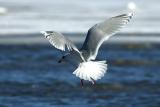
79,38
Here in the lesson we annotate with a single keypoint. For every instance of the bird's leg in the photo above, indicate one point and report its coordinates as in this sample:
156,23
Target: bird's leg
82,82
93,81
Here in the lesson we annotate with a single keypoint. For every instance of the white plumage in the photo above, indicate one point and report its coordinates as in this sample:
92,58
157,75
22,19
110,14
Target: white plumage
88,68
91,70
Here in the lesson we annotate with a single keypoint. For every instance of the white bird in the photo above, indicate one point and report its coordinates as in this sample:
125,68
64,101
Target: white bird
88,68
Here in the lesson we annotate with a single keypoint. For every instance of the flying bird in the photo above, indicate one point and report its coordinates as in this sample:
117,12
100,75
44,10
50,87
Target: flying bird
88,68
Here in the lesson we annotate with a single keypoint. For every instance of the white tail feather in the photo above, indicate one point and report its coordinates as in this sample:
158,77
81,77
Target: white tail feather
91,70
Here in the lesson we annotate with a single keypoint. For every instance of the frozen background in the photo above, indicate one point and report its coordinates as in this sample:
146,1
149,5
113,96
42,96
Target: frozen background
32,16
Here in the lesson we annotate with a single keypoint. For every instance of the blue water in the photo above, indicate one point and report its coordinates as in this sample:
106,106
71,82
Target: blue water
31,77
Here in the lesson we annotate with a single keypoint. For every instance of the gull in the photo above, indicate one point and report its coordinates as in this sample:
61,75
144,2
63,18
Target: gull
88,68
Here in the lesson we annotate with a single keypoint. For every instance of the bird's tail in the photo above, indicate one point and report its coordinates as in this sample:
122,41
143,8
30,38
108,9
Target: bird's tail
91,70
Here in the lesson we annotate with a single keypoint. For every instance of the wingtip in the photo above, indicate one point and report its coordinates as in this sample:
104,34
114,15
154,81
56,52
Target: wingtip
130,14
42,32
126,15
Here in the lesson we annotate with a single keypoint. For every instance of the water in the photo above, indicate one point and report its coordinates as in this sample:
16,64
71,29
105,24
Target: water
31,77
32,16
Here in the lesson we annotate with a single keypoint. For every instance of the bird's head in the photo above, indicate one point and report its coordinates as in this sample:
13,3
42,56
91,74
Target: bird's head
62,59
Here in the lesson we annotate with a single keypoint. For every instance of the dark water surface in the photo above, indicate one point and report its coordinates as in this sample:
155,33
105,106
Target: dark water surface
31,77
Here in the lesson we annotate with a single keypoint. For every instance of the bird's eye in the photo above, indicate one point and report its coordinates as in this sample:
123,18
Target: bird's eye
63,57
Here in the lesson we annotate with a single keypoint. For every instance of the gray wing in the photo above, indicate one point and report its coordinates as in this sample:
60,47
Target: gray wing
101,32
59,41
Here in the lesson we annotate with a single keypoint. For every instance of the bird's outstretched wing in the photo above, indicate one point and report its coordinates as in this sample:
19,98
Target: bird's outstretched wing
102,31
59,41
